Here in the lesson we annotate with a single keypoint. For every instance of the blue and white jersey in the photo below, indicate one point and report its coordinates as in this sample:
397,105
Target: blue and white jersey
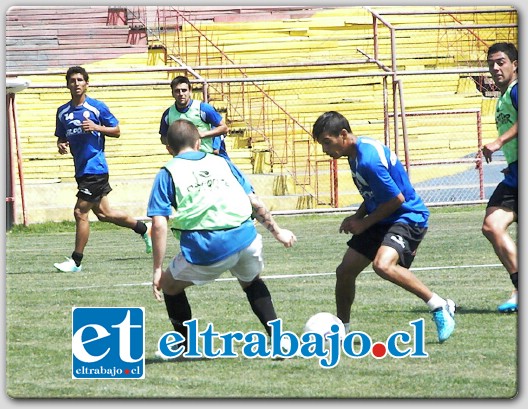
87,148
379,177
208,115
202,247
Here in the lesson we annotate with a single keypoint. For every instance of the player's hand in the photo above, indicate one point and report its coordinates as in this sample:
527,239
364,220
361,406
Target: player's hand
156,285
63,147
157,292
489,149
89,126
286,237
352,225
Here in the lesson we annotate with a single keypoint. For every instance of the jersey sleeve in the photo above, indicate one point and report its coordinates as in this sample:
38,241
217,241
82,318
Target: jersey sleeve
383,186
209,114
164,123
60,131
106,117
161,199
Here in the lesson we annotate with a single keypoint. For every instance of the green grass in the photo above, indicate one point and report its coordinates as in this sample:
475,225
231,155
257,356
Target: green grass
479,361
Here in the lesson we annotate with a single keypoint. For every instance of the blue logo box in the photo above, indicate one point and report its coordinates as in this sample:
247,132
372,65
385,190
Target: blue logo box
108,343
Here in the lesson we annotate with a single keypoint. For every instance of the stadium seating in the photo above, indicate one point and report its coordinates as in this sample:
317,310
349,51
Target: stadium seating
269,120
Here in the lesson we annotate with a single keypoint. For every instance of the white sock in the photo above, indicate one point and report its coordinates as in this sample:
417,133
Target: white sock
435,302
347,327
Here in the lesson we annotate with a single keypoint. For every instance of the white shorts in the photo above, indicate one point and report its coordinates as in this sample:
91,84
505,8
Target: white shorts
244,265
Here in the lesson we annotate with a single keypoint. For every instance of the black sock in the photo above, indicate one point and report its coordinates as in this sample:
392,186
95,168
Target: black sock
259,298
179,311
140,228
514,279
77,257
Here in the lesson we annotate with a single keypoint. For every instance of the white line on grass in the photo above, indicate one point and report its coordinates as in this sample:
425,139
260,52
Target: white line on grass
280,276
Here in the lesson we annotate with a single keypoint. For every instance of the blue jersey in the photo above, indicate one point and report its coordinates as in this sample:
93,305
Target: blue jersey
87,148
379,177
202,247
208,115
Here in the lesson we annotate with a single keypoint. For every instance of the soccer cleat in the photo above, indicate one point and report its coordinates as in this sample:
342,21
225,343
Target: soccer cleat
451,307
511,304
68,266
444,320
148,238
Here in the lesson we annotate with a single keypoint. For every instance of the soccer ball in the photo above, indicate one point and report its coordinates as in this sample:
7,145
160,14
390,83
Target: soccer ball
322,322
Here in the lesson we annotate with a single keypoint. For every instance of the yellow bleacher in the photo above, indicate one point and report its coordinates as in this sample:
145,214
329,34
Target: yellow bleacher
262,136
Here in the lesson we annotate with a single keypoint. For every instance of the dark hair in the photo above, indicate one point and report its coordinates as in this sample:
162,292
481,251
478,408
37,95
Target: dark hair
182,134
76,70
180,79
507,48
330,123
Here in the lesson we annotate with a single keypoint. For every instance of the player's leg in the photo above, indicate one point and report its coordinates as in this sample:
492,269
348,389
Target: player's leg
179,275
495,228
386,266
392,262
82,233
501,212
259,298
176,302
105,213
347,271
247,270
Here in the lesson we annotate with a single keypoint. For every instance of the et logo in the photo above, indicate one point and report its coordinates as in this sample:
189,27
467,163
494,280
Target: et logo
108,343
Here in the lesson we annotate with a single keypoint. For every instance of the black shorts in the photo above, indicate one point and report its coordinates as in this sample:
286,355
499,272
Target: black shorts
505,196
93,187
400,236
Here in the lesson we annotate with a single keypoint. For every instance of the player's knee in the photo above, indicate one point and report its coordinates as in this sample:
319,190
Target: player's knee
343,272
489,229
78,214
382,267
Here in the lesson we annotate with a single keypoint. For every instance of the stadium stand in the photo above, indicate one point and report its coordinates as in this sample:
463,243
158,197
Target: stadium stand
269,120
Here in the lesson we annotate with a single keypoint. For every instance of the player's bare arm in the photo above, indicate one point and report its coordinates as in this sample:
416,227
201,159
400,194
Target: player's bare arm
159,245
264,217
494,146
221,129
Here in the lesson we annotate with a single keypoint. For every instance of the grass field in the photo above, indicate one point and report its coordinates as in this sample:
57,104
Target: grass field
480,360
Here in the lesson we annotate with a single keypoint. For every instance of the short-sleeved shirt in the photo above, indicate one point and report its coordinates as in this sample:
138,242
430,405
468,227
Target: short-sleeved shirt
202,247
87,148
380,176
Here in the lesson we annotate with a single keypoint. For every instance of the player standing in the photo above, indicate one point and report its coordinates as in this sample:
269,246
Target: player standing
204,116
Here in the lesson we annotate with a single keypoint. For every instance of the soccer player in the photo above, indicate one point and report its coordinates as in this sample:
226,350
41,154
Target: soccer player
204,116
81,127
214,206
502,208
387,227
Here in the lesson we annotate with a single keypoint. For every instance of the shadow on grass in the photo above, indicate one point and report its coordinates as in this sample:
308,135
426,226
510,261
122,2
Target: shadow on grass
460,310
